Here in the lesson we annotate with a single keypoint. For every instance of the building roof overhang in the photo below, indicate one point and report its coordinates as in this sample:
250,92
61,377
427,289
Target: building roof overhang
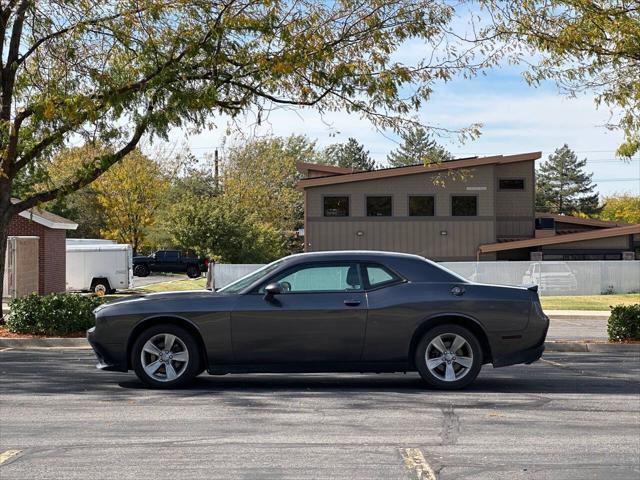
415,169
47,219
559,239
304,167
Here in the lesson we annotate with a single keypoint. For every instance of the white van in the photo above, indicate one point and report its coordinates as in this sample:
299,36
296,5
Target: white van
99,268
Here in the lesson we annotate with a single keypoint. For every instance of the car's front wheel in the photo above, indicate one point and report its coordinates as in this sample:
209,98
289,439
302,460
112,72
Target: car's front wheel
166,356
448,357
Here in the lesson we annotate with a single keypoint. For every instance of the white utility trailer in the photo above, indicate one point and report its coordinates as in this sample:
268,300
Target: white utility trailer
100,268
89,241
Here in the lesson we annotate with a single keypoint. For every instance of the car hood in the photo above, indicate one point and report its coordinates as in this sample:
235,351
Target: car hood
183,301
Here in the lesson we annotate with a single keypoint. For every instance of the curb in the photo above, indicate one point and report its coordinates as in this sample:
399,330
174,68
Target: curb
592,347
578,318
51,342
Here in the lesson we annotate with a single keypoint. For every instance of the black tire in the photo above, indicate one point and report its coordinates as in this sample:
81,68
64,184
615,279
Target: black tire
470,349
186,371
141,271
101,287
193,271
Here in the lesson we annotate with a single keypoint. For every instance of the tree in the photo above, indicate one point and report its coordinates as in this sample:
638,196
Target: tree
622,207
417,147
192,181
563,187
260,177
586,45
350,155
130,194
223,230
118,71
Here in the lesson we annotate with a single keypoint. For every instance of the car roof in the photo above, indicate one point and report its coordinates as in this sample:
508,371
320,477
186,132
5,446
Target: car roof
353,254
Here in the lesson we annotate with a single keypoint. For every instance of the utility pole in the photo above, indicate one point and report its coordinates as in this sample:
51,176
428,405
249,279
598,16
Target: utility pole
215,170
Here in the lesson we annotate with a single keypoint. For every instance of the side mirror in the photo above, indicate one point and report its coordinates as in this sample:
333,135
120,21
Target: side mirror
271,290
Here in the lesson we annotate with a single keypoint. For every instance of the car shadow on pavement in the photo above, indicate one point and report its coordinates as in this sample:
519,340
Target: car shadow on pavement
409,384
72,372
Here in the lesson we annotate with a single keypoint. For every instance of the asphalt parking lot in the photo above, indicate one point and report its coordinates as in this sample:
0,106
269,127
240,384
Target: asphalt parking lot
570,416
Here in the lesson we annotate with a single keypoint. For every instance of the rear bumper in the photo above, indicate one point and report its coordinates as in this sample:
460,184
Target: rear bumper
527,355
107,358
524,356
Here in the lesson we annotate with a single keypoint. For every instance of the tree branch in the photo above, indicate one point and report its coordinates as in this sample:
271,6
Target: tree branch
106,161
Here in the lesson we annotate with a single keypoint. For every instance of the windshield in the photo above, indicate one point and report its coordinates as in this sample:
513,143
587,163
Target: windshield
247,280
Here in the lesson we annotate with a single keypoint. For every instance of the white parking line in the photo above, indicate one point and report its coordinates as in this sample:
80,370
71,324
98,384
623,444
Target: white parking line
4,456
415,462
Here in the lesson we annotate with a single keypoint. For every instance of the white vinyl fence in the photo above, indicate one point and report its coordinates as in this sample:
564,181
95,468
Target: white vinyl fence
554,278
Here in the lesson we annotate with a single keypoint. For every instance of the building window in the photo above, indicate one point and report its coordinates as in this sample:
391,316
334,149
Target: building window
464,206
421,206
379,206
511,184
336,206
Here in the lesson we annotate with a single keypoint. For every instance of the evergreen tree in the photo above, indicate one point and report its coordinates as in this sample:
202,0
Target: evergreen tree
417,147
564,187
350,154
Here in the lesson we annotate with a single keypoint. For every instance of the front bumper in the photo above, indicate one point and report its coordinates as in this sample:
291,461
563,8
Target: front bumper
107,359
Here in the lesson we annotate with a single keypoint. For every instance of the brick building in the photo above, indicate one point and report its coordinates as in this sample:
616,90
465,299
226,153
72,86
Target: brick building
51,232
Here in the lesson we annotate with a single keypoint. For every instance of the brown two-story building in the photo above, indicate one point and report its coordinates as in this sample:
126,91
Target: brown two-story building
463,209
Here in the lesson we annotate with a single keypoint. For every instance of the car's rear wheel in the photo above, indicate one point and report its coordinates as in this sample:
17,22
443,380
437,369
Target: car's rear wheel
193,271
141,271
166,356
448,357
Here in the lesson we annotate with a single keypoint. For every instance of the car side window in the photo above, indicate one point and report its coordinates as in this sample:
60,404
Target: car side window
378,275
172,256
343,277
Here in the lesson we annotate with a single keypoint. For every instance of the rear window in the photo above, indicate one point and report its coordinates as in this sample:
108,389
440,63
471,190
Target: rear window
378,275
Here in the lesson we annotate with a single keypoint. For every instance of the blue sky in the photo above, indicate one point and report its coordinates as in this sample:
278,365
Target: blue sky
515,116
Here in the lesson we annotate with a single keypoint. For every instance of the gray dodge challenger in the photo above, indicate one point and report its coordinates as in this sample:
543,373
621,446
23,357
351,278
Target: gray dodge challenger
326,312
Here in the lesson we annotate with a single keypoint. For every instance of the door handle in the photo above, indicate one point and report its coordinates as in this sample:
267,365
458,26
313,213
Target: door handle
352,303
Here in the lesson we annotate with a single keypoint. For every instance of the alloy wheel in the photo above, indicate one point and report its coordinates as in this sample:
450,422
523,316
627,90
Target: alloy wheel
449,357
164,357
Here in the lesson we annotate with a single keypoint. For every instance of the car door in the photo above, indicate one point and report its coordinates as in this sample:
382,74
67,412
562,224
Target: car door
172,261
157,262
319,317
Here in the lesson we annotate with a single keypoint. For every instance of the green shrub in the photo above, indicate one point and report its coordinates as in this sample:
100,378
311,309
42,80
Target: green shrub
55,314
624,323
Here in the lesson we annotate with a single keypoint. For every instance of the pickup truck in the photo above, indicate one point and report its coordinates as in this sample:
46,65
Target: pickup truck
169,261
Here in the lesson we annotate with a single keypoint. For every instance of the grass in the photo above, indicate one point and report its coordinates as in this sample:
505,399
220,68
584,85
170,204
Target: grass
174,285
588,302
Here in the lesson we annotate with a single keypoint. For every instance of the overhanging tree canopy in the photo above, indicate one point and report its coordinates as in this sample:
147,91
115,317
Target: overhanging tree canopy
584,46
77,72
